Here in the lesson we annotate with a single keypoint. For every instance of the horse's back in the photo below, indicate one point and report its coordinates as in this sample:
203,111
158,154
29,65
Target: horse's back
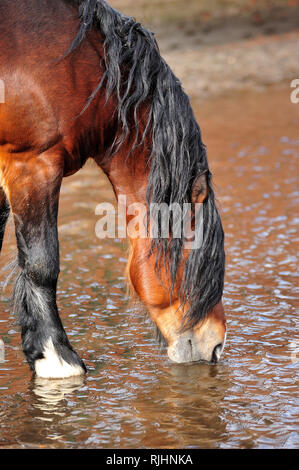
43,93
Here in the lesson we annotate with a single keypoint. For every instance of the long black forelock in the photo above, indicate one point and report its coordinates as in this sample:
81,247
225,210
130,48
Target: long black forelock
137,75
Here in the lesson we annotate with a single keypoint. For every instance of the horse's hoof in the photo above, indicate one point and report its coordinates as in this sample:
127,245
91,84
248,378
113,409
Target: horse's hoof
55,366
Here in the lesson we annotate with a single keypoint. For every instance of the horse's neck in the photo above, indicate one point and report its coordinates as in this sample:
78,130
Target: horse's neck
128,175
129,167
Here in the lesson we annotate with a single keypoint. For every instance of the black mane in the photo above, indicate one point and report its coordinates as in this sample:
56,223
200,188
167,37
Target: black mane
136,74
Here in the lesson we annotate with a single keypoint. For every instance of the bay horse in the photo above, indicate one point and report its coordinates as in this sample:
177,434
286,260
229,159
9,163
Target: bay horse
85,81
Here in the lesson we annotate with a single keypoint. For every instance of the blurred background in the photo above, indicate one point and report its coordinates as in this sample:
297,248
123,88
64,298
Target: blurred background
219,45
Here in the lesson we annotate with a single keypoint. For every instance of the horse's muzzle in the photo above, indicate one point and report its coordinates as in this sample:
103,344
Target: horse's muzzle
205,343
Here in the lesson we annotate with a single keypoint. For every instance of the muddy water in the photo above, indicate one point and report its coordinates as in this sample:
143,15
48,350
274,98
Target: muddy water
133,396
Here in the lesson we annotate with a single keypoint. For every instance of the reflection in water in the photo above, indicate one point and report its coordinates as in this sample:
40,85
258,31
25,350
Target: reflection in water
51,393
189,400
133,396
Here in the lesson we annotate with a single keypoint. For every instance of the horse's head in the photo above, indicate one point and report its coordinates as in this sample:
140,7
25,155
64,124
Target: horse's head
188,311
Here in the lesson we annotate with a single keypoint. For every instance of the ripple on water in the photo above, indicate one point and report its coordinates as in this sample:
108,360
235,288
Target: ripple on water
132,396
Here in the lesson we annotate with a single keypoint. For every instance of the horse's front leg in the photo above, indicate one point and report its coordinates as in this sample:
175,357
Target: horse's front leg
33,187
4,213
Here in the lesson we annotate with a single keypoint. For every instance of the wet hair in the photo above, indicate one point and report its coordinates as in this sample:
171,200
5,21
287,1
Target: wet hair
136,74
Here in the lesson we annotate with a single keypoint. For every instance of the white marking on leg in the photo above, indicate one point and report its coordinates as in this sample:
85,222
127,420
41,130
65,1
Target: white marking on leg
52,366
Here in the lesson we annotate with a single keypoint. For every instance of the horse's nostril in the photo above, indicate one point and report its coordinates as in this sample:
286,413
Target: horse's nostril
217,352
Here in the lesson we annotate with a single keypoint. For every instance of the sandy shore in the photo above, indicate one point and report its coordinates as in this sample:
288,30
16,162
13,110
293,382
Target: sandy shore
247,64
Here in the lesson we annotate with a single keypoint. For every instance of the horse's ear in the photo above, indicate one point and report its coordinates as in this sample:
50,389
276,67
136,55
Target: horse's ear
200,188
